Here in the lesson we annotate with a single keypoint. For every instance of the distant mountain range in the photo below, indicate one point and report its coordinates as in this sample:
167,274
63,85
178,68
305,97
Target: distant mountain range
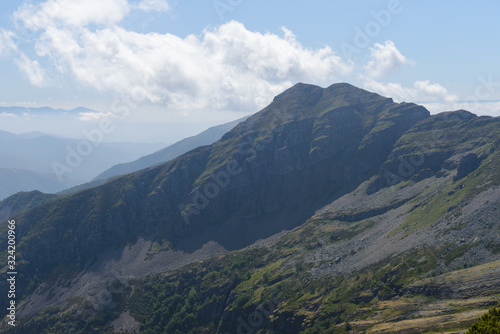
41,110
206,137
34,170
15,180
37,161
331,210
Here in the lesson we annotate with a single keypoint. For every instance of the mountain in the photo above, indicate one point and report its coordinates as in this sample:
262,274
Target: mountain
40,153
22,202
207,137
16,180
33,135
13,181
332,209
7,136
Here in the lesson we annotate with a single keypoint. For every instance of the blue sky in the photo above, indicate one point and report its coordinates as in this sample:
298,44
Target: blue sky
186,65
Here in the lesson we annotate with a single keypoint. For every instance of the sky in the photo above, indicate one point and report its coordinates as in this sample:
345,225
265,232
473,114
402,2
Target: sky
161,70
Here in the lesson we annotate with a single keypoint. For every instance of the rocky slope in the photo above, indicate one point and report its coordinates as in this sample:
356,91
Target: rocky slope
378,198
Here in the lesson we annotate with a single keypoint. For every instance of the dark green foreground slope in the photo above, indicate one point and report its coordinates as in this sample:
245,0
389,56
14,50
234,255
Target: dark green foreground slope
392,217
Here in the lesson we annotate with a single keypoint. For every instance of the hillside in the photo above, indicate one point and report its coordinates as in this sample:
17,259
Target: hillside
330,210
22,202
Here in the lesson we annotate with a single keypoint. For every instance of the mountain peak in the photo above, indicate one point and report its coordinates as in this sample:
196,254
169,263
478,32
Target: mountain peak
298,89
80,110
307,94
303,101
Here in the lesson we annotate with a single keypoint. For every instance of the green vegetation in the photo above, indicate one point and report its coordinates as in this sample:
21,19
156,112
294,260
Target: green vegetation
192,299
54,320
272,281
489,323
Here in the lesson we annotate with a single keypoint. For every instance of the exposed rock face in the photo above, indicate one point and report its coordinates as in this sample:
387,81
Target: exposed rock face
426,149
467,165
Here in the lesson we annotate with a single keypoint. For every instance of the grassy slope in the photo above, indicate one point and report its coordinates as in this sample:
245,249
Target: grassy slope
24,201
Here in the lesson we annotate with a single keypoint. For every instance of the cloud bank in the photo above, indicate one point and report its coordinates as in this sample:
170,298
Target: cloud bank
224,68
386,59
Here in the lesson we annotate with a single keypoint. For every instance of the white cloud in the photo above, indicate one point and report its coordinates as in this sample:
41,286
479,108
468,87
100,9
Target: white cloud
385,59
422,91
72,13
433,96
9,115
429,91
224,68
32,69
26,103
153,5
228,67
95,116
7,41
484,108
27,116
